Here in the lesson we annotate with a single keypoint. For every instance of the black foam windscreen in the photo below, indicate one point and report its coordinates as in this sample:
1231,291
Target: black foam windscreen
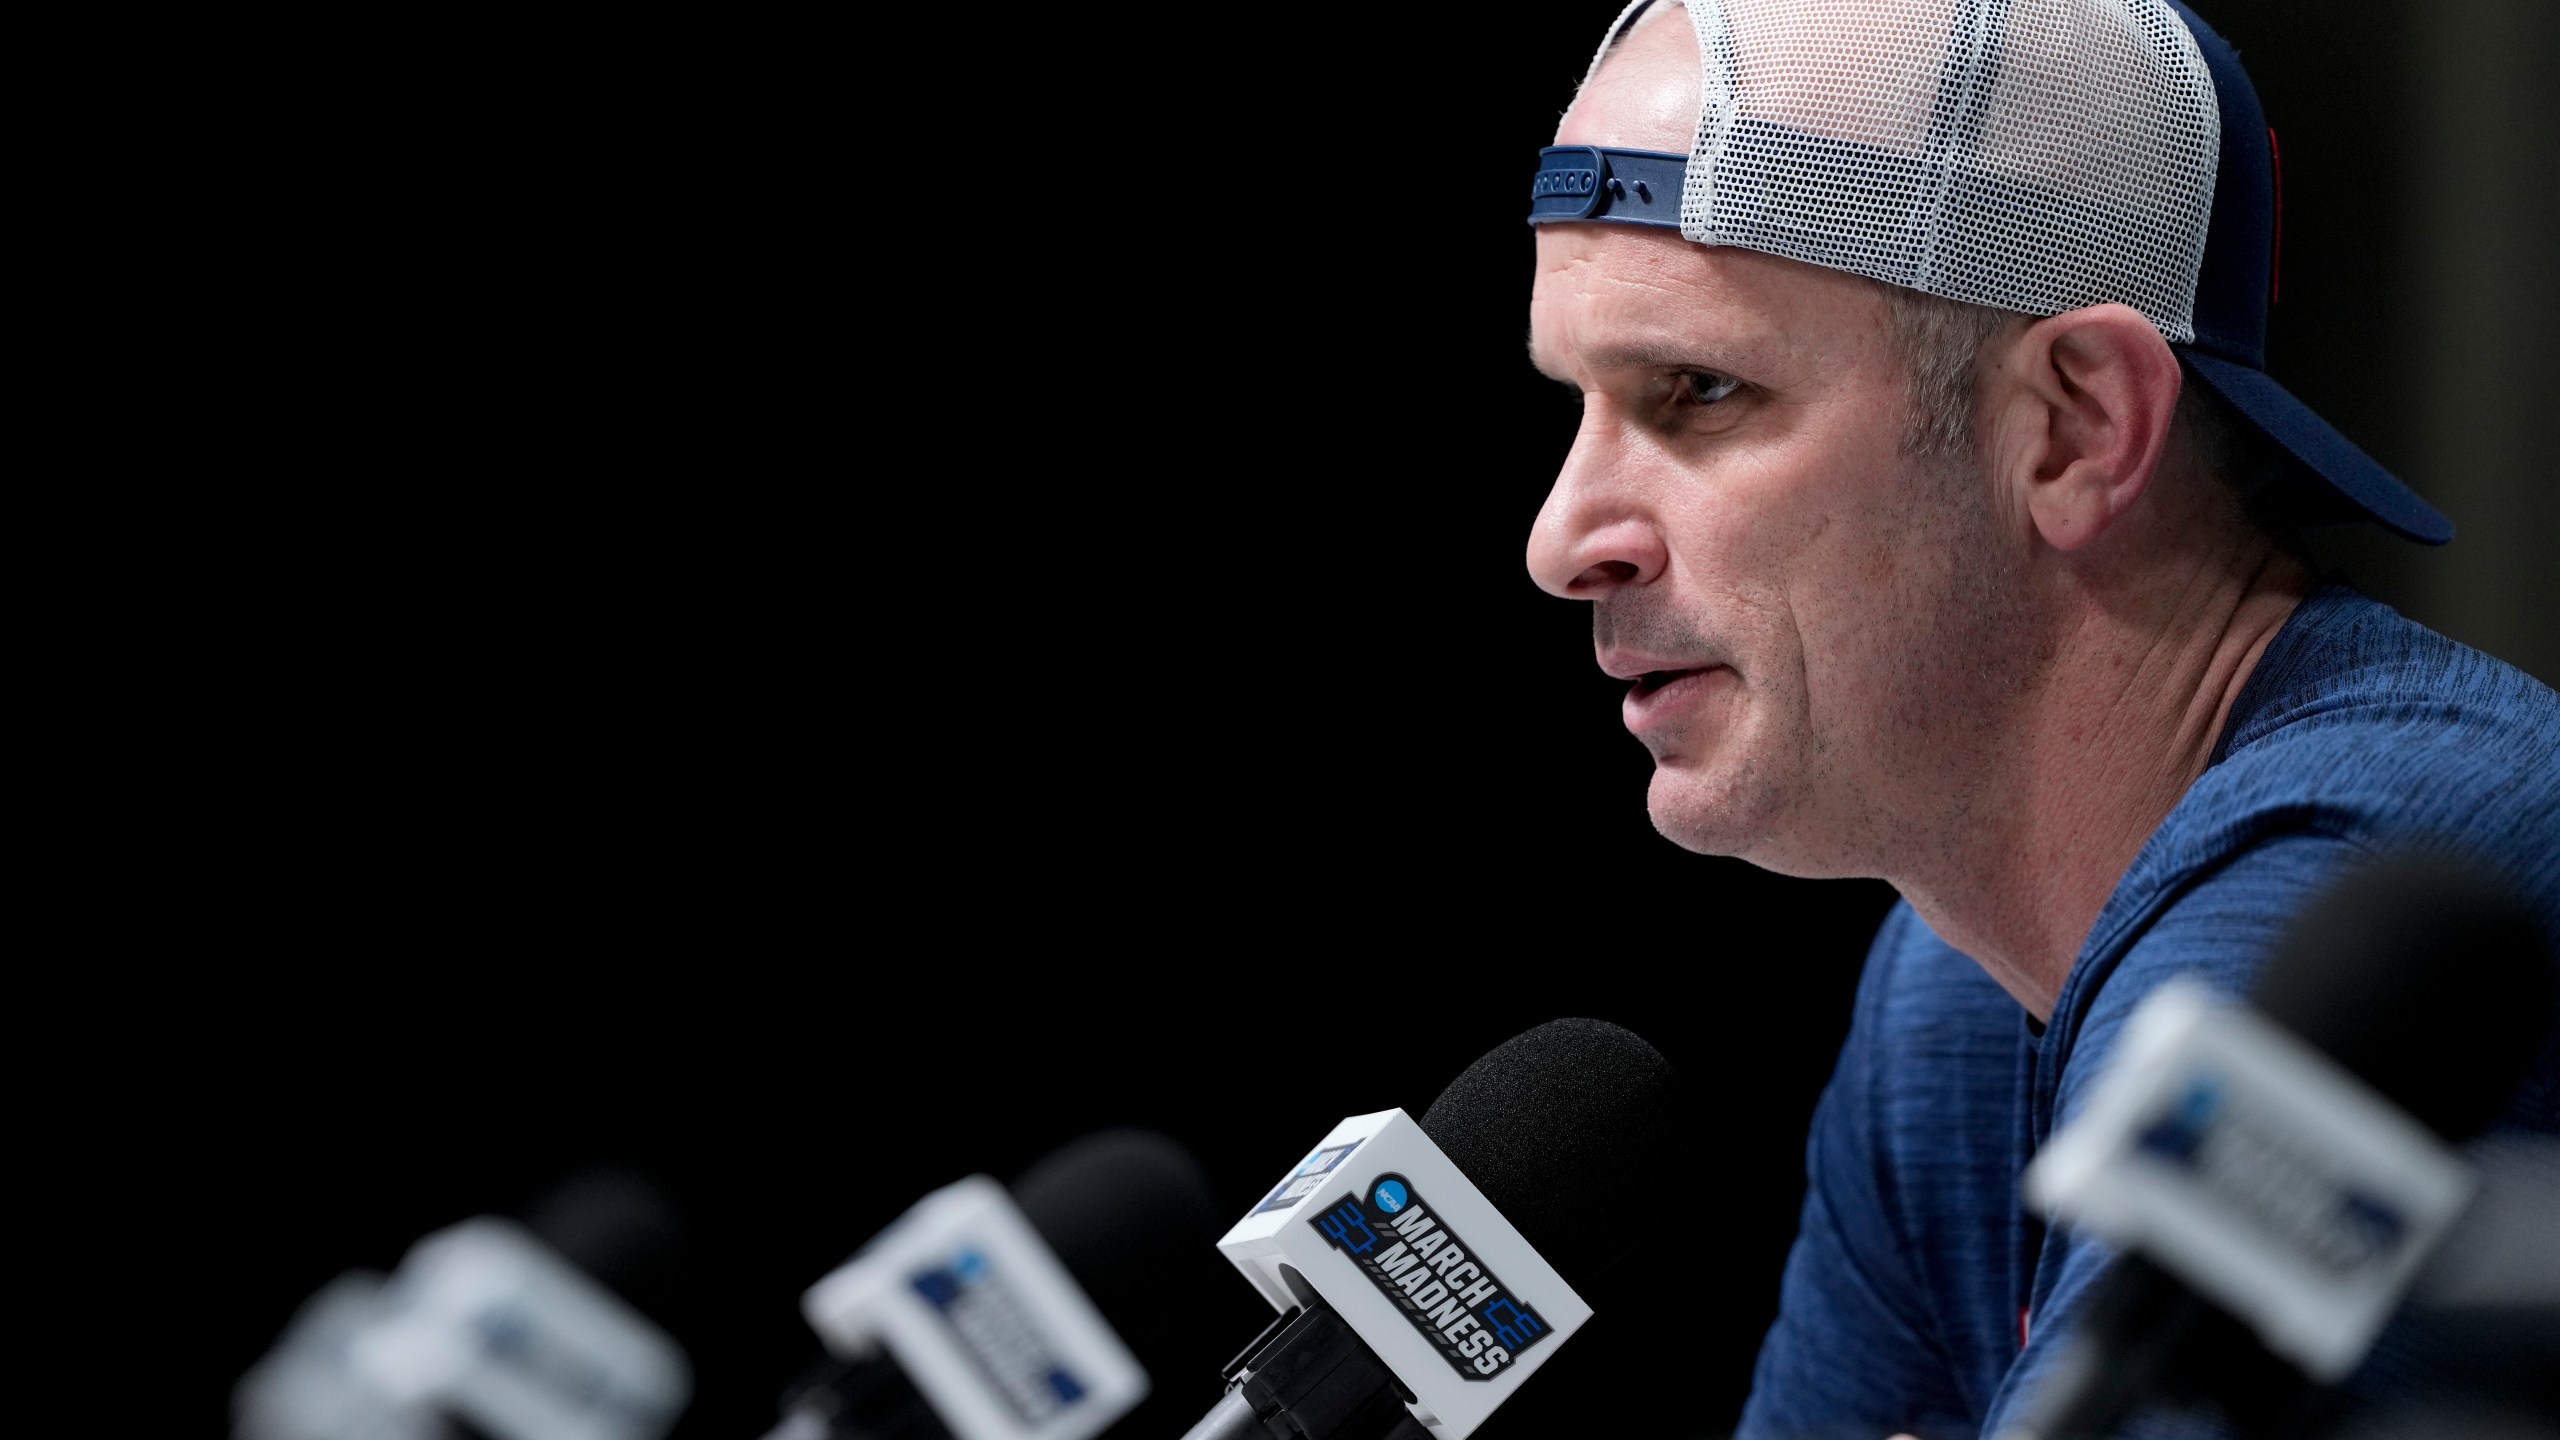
618,1227
1129,1214
1558,1123
2430,979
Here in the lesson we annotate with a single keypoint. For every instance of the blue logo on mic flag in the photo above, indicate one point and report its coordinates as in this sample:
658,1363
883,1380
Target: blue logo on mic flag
1348,1228
2179,1132
998,1335
2262,1171
1476,1323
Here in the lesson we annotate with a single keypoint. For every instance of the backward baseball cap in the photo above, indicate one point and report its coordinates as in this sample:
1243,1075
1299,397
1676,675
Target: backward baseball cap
2035,156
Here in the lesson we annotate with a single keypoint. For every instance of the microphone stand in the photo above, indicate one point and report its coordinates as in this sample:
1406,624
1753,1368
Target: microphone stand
1308,1376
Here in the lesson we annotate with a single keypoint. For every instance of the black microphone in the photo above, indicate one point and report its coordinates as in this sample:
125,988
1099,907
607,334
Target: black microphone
1423,1272
1041,1307
2243,1167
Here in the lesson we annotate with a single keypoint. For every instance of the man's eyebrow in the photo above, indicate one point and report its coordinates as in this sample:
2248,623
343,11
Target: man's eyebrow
1636,354
1643,354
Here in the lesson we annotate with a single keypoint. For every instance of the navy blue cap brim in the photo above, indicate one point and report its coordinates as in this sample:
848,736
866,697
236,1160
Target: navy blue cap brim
2320,448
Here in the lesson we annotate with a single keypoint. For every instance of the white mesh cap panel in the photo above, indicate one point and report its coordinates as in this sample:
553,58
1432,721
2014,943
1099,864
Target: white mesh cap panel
2033,155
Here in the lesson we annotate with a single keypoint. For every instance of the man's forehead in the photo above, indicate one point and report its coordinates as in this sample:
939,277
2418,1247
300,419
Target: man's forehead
1609,295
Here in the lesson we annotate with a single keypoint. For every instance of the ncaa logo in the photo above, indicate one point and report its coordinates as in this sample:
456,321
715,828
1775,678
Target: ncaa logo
1444,1289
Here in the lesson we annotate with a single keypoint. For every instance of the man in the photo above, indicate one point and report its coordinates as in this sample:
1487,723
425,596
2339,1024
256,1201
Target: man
1932,499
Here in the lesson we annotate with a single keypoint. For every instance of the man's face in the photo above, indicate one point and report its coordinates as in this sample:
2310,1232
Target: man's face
1812,622
1799,607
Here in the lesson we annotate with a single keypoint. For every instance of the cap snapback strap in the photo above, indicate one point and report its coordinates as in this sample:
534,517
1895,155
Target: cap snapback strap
1586,182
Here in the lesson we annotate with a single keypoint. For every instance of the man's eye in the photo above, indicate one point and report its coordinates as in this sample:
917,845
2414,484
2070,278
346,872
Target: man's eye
1705,387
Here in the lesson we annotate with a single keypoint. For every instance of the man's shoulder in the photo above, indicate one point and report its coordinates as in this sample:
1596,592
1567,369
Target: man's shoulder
2362,734
2366,729
2351,690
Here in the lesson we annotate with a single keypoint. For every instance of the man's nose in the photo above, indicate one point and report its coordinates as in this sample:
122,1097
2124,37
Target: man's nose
1595,533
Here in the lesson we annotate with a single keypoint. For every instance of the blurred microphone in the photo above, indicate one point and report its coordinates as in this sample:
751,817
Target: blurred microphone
2279,1173
984,1313
1419,1269
490,1328
2480,1357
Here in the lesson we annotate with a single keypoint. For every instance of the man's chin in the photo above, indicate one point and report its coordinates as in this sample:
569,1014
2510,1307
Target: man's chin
1698,814
1747,823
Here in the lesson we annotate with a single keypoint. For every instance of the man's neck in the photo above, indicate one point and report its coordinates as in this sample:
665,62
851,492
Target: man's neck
2121,721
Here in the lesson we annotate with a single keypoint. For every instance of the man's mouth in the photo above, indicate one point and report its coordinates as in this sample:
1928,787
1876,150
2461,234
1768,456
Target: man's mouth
1653,680
1656,698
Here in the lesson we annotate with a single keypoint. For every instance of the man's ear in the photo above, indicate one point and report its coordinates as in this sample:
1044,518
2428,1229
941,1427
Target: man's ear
2086,403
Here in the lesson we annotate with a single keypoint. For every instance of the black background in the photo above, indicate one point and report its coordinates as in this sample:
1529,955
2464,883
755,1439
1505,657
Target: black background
834,610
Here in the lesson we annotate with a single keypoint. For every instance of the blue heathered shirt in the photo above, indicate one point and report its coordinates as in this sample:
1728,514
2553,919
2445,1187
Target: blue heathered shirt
1915,1268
